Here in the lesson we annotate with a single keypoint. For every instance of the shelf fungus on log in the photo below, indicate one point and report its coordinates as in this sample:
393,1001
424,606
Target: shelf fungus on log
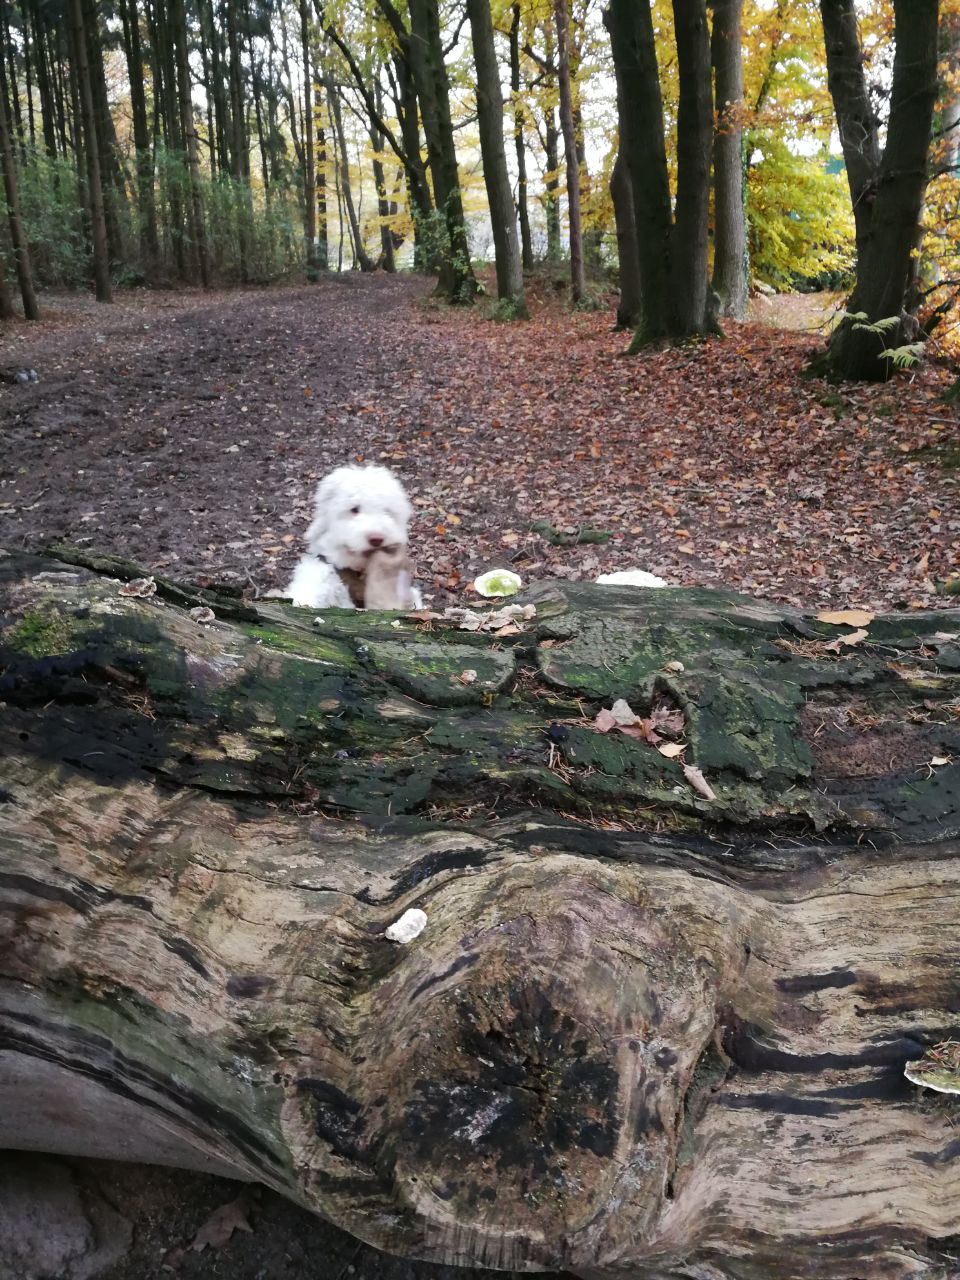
643,1033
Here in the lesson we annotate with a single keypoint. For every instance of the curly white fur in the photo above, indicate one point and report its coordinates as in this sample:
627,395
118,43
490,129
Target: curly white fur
356,511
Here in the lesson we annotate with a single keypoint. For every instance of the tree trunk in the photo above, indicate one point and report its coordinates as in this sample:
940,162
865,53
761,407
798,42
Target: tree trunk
418,189
387,258
889,238
108,150
146,204
551,186
48,114
309,172
7,309
640,109
361,258
730,230
857,122
239,142
457,282
523,211
178,21
18,239
616,1053
578,286
691,232
503,215
101,258
630,305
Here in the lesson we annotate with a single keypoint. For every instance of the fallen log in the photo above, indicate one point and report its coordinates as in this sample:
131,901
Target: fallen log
643,1033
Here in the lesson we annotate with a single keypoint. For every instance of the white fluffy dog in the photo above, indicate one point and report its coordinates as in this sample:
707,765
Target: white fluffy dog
360,513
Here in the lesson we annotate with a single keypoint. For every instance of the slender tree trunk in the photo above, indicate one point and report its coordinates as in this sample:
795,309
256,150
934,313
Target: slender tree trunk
856,119
101,257
239,143
457,282
503,215
361,257
28,74
48,114
689,246
578,286
523,211
178,21
14,114
730,233
21,250
629,307
309,171
7,309
551,185
111,171
217,87
146,204
644,150
418,188
323,248
889,237
387,259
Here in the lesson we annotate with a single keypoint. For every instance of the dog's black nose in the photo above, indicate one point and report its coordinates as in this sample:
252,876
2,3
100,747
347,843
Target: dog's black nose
375,540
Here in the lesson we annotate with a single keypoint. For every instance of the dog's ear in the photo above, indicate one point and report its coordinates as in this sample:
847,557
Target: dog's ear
321,511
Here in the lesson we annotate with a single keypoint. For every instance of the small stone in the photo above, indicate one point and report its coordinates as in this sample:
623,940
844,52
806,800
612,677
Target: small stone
409,926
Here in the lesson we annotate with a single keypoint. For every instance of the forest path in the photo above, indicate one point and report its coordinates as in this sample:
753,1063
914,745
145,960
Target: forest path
188,431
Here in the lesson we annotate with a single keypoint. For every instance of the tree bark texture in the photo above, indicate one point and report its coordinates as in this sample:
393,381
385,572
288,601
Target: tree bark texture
456,281
18,239
689,242
94,183
640,109
630,303
616,1052
572,163
178,21
503,215
309,171
730,229
888,239
523,209
857,121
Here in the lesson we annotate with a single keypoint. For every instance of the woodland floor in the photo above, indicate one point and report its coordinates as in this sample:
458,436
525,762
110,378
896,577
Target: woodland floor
188,431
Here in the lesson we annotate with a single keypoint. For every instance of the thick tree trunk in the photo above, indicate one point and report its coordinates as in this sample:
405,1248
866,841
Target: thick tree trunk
18,239
690,240
523,209
610,1052
578,285
889,237
630,304
640,109
101,257
456,282
551,186
730,227
857,121
503,215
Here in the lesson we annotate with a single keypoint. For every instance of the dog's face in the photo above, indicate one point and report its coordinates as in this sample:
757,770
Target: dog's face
356,511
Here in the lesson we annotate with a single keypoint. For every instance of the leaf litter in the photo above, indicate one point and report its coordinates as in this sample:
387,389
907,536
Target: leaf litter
715,464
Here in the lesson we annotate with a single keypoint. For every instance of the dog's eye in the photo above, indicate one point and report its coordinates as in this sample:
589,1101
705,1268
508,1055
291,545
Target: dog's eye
354,511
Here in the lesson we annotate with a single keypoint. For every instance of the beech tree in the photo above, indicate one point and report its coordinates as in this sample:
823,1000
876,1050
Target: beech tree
672,248
497,179
887,188
730,231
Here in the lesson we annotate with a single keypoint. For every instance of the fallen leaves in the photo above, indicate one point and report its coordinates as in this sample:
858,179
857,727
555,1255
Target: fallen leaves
846,617
664,721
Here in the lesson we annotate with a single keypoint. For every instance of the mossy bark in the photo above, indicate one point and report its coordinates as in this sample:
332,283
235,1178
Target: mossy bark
641,1032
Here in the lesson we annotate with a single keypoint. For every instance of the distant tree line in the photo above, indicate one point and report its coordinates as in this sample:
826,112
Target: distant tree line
209,141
